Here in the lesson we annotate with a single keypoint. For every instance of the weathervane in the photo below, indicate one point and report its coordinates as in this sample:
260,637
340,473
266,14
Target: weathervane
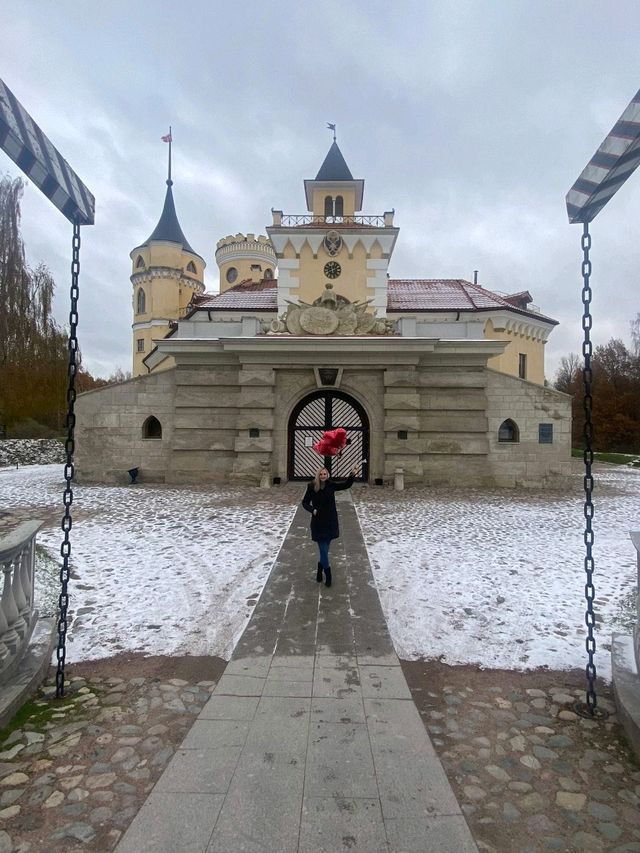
615,160
168,138
333,128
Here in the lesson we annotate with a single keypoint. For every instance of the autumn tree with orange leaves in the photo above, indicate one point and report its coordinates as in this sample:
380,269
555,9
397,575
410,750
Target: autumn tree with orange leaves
616,394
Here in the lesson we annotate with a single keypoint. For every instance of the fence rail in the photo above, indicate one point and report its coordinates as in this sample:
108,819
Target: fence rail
375,221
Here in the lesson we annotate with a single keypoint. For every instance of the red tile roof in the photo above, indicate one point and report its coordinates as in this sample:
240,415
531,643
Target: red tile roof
450,294
404,295
247,295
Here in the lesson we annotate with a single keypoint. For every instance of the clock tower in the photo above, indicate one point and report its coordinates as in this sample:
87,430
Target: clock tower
334,242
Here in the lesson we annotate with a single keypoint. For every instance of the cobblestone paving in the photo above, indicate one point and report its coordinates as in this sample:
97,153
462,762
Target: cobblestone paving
530,775
73,774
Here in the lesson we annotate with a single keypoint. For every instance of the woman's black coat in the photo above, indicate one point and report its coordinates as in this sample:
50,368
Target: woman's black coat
324,525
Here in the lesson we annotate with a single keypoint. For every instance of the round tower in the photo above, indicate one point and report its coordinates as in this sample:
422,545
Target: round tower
166,274
244,257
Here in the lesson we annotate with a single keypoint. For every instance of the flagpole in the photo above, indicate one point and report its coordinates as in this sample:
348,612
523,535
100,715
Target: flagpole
169,181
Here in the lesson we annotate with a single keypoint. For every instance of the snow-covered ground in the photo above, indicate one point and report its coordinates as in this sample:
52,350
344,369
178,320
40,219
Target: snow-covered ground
496,577
30,451
156,569
493,577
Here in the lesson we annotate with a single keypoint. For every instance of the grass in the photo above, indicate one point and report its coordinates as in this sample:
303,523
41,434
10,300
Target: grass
632,459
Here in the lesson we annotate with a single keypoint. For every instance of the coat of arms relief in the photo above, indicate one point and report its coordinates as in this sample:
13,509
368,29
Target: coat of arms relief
330,314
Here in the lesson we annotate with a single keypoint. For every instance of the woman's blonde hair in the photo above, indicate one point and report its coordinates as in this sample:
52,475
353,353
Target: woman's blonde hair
316,479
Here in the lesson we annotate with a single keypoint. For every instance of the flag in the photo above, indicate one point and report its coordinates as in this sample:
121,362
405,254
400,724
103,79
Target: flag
331,127
166,138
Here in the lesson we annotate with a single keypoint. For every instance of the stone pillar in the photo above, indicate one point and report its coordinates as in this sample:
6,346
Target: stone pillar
402,439
254,437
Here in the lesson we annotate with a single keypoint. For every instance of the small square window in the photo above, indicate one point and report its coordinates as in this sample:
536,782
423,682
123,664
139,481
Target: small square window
545,433
140,343
254,432
403,434
522,365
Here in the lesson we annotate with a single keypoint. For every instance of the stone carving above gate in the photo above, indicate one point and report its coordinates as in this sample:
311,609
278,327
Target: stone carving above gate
330,314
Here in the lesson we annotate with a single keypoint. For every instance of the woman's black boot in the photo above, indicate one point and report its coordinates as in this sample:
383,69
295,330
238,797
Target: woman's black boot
327,573
319,573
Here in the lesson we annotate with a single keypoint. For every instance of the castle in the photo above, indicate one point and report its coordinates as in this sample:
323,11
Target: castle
439,377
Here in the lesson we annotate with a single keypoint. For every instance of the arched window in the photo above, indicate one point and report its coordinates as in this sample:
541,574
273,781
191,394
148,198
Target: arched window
509,431
141,305
268,273
152,428
191,267
139,263
339,206
328,206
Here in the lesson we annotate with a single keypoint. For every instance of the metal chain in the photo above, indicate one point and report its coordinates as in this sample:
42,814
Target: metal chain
65,549
587,376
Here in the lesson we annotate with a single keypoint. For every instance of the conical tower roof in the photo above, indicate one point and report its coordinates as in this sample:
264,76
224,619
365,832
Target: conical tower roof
334,167
168,228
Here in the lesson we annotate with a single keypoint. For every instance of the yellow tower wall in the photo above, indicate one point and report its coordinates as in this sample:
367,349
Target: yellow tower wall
169,286
319,195
351,283
509,361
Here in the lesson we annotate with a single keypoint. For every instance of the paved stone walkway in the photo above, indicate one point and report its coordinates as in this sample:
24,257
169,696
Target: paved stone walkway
310,741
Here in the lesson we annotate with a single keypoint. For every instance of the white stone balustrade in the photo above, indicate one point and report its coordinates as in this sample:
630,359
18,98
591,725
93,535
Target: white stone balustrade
17,614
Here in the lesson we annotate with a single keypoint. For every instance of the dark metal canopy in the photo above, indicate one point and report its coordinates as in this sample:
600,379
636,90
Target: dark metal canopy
611,165
40,160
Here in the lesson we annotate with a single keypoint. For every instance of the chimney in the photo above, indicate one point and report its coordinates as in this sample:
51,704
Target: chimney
475,276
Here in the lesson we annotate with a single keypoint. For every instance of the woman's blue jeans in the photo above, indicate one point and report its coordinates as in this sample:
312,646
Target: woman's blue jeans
323,548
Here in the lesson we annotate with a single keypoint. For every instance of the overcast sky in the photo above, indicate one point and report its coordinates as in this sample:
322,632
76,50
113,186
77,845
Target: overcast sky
472,119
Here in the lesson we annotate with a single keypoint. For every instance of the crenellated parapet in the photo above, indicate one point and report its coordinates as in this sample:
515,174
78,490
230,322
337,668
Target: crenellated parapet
244,257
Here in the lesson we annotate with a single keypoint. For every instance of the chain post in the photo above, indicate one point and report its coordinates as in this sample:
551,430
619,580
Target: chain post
587,376
65,549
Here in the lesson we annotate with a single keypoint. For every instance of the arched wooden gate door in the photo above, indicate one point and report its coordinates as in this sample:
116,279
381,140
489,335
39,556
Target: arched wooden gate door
316,413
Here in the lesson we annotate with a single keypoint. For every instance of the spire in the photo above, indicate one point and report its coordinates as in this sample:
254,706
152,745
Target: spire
334,167
168,228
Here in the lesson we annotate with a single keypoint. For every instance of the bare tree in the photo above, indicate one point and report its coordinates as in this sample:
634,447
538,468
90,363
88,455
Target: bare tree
635,335
568,373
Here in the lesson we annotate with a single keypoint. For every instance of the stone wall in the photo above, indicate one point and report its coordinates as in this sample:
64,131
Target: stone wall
109,429
206,413
437,418
527,462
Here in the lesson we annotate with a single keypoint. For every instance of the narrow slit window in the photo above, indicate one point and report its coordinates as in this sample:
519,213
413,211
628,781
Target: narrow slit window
141,306
522,365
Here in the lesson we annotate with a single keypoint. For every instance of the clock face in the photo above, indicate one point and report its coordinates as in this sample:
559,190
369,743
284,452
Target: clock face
332,269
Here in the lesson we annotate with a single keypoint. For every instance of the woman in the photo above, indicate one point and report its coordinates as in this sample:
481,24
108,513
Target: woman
320,501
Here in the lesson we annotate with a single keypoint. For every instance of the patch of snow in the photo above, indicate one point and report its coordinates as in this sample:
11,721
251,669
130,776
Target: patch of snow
30,451
496,577
157,569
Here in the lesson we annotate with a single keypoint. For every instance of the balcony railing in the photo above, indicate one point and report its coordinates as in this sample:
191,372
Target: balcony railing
17,615
288,220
